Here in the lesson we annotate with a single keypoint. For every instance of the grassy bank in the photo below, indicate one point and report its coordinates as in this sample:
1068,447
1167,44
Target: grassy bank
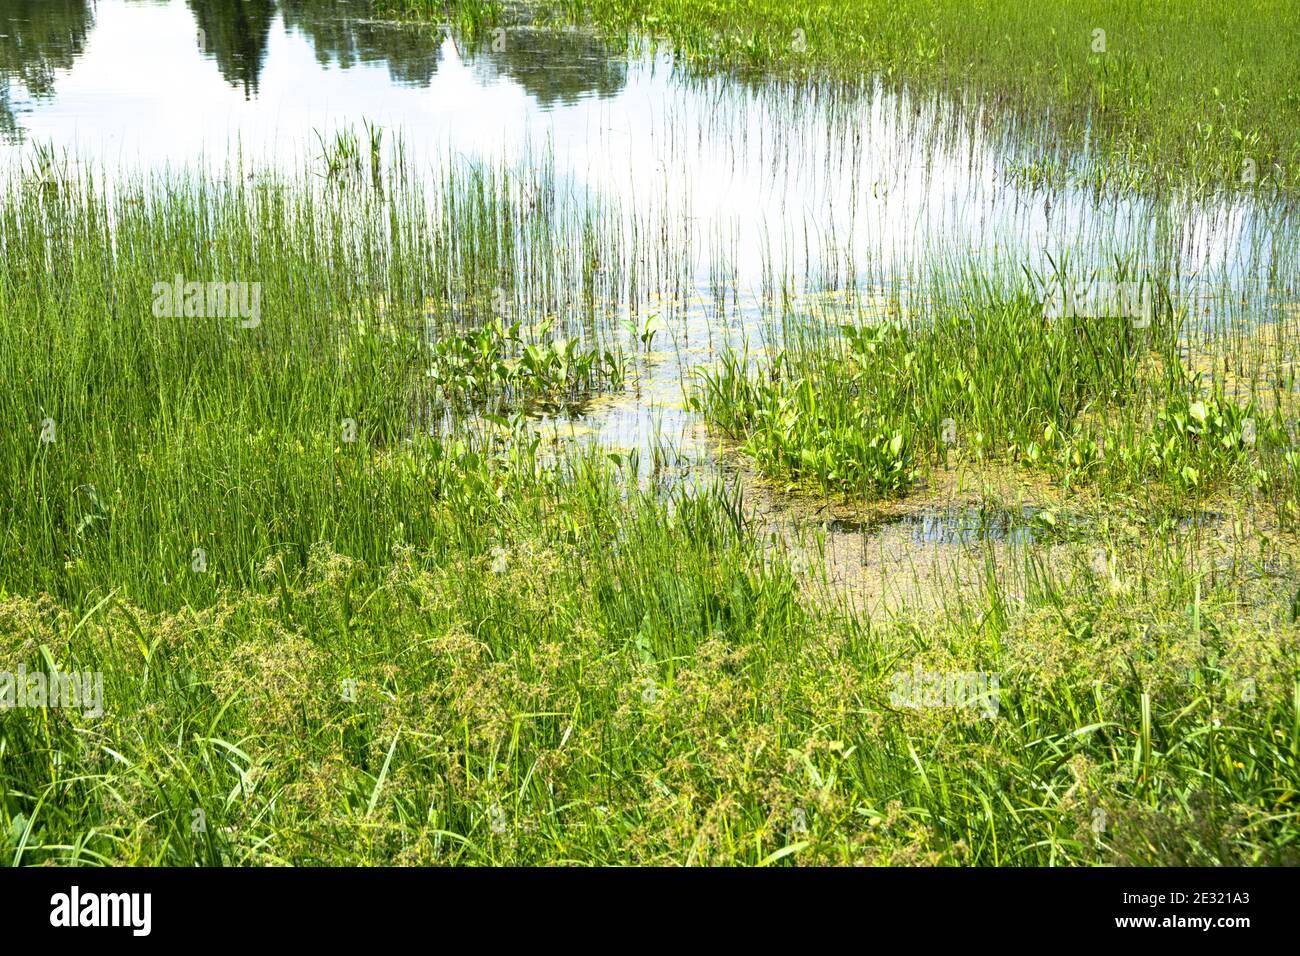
630,683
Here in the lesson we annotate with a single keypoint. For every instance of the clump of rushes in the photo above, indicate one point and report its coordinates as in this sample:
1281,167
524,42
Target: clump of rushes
140,444
977,374
863,407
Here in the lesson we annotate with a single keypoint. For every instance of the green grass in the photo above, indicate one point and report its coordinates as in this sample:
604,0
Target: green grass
1185,92
351,605
627,683
170,434
441,643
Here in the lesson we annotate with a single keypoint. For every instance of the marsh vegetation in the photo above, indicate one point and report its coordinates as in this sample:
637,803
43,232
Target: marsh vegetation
723,489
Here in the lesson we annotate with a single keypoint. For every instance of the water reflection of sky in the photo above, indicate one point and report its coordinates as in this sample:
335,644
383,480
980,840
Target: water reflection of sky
811,185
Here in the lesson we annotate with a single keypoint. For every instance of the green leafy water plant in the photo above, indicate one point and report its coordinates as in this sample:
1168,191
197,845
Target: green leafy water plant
495,362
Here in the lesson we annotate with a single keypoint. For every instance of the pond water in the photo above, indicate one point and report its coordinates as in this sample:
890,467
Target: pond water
807,175
951,525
